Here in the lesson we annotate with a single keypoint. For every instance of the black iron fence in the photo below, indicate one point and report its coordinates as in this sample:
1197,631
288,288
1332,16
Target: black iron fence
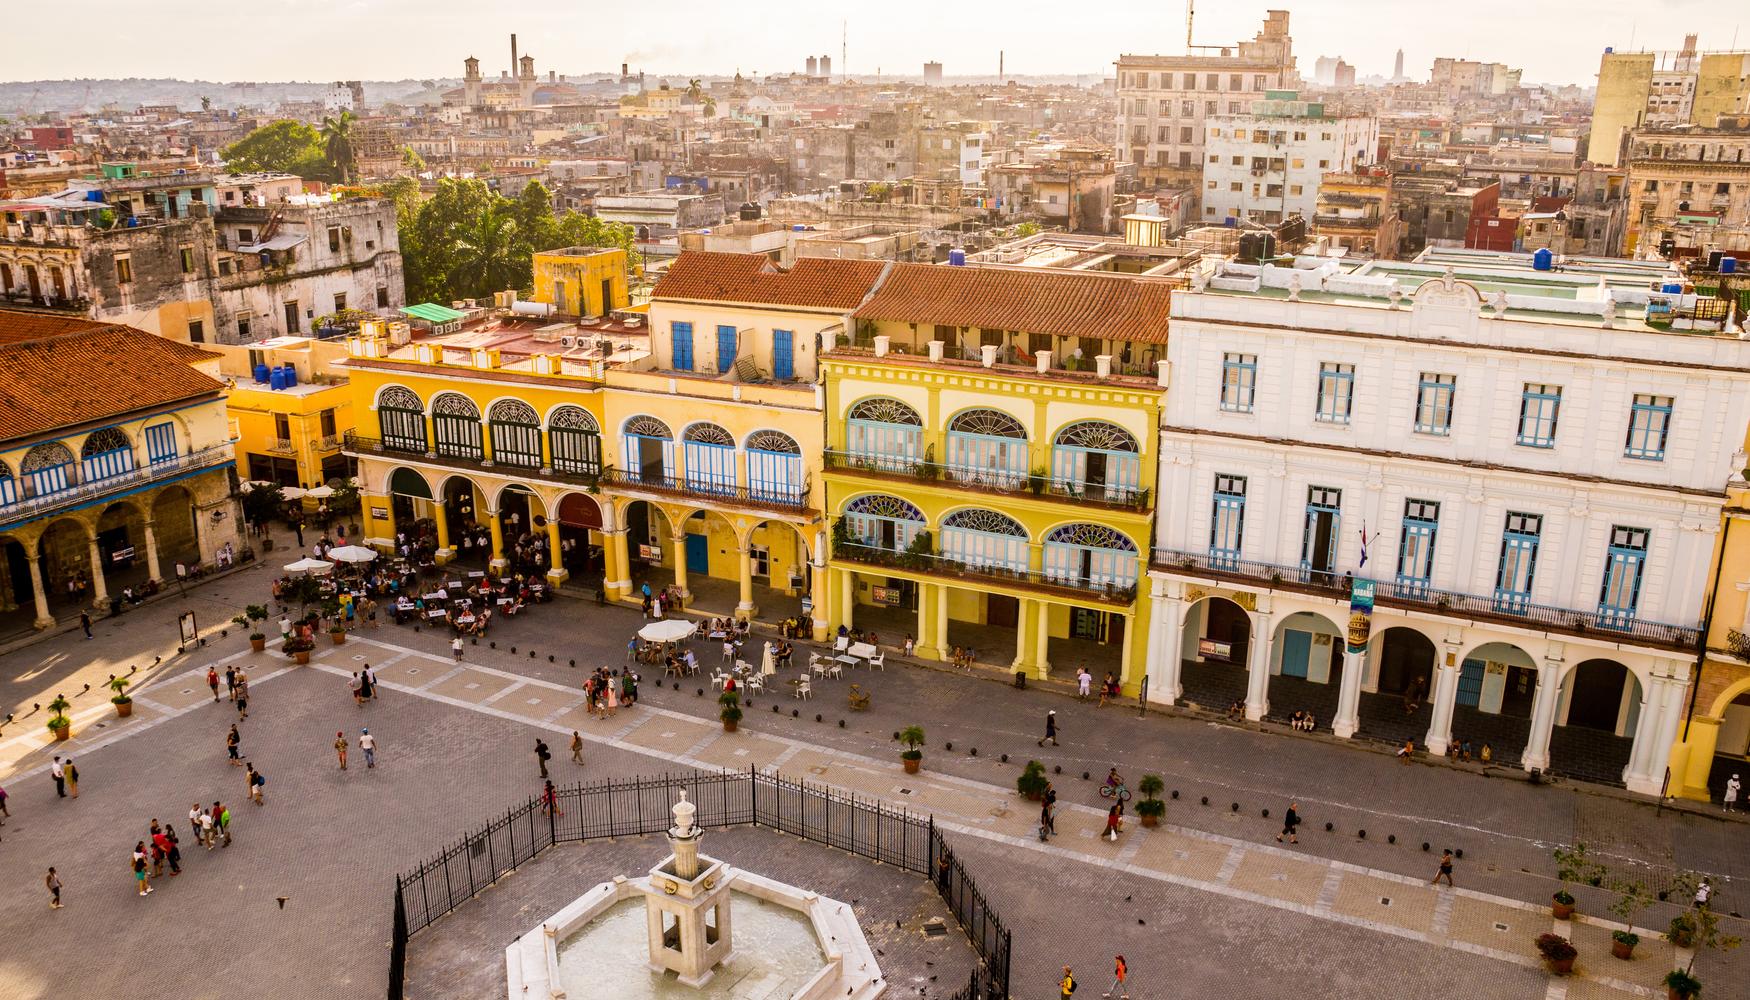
735,798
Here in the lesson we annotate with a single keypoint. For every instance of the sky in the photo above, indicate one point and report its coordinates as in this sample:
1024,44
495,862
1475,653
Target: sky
1553,41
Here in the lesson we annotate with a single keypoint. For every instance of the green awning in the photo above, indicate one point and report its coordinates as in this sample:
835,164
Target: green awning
431,312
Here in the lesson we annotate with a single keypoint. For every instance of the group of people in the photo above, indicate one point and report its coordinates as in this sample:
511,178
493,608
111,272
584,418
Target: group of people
1464,750
605,691
1109,689
211,827
655,604
1302,722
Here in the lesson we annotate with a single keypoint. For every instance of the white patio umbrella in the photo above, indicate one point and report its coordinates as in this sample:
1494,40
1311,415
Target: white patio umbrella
291,493
307,565
322,492
352,554
768,662
668,630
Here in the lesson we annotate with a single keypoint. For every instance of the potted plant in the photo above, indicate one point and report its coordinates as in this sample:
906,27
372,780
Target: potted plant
1558,953
58,722
124,705
1682,930
1632,897
257,641
1701,931
1680,985
1151,808
730,713
298,648
1573,865
1031,784
912,737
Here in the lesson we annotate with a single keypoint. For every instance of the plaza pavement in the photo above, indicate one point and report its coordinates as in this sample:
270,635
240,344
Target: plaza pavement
1240,915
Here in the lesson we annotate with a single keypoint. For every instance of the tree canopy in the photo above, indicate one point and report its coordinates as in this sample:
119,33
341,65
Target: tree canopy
283,146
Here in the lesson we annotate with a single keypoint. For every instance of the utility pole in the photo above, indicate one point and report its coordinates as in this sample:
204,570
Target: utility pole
844,50
1190,15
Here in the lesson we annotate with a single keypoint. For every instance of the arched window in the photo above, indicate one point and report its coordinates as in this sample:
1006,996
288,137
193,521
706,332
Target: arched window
8,486
649,451
575,440
455,422
884,434
1090,555
47,469
774,467
106,454
1096,459
985,538
883,522
516,433
401,420
987,446
710,457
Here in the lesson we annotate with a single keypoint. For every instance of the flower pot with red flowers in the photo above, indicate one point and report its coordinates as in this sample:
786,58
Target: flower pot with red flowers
1558,953
298,648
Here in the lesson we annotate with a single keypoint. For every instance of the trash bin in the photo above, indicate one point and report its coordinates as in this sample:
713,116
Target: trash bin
267,545
1021,679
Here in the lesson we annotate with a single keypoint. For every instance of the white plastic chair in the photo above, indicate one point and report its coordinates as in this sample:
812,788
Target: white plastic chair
843,644
803,689
878,660
753,684
835,670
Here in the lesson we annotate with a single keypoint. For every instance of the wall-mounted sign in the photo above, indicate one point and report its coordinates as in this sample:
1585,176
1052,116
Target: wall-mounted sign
380,513
1214,649
885,595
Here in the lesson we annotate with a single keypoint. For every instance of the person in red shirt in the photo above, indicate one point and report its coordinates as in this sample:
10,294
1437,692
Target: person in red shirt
1120,970
160,852
213,682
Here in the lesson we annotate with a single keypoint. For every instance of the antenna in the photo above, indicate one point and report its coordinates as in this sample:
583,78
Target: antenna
1190,15
844,49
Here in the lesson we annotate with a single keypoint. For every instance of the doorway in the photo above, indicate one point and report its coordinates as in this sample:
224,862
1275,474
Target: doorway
1002,611
698,553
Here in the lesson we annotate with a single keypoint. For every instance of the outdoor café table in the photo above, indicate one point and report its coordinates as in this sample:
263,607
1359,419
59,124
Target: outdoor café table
438,595
502,601
475,574
435,613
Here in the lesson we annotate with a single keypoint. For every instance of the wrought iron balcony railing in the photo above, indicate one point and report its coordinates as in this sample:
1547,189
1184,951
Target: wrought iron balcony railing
1104,590
31,507
987,481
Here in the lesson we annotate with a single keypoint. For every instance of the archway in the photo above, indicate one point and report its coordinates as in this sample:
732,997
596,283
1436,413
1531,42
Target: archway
1307,668
462,509
174,529
580,539
64,556
522,523
1215,645
783,573
1402,662
649,543
1600,705
121,540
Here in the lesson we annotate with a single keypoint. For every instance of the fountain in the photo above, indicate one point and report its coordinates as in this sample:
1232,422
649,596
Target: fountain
783,943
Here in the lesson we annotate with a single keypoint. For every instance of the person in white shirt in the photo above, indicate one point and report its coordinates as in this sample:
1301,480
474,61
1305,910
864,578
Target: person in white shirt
1084,683
368,744
1732,787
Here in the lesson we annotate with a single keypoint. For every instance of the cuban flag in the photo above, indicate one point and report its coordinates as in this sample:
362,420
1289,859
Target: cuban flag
1363,534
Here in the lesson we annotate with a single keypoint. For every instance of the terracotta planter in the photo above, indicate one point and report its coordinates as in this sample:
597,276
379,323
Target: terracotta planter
1622,949
338,637
1560,966
123,709
911,764
1683,940
302,656
258,644
1562,911
730,726
64,732
1151,821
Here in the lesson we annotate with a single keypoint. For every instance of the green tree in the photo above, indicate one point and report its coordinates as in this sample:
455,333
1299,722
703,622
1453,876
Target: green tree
1026,229
694,89
710,107
283,146
412,160
537,229
337,149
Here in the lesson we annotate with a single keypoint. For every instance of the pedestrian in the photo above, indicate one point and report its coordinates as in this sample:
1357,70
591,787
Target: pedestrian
577,746
1732,787
367,687
160,852
371,680
60,775
1066,986
1084,683
242,698
53,881
1120,970
456,648
207,828
175,850
1113,822
1050,798
222,823
550,800
253,782
1045,821
140,868
231,683
285,628
542,755
1050,728
1445,871
1406,751
1702,892
611,696
355,685
72,775
340,749
368,744
1108,690
194,822
233,746
3,810
1290,820
85,622
213,682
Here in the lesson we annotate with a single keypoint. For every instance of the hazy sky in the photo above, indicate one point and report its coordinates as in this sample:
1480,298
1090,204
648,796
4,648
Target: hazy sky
1552,40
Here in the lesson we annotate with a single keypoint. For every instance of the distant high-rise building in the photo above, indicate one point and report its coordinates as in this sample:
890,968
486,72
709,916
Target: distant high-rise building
1638,89
1397,70
826,65
1343,75
932,74
813,65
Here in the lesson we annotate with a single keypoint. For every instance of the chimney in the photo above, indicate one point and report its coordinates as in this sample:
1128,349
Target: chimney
623,70
513,71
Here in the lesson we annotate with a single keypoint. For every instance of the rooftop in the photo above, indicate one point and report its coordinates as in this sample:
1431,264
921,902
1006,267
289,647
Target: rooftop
1031,300
813,283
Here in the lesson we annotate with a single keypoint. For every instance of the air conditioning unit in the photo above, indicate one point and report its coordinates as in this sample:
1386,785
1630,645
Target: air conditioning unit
567,340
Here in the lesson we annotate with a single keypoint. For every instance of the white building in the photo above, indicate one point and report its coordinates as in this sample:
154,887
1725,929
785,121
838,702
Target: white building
1530,473
1267,164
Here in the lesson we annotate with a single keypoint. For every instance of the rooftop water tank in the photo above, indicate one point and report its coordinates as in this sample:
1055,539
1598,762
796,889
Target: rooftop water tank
291,376
276,379
260,373
1543,260
1728,265
798,228
1671,289
957,257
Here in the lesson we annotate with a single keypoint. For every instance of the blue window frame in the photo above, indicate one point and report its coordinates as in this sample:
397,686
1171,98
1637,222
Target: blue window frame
1227,525
725,347
1649,423
1434,403
681,340
1518,568
1538,409
1416,549
783,354
1239,382
1622,577
1318,545
1336,392
161,443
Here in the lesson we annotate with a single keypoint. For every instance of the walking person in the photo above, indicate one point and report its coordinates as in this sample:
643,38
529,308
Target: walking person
53,881
1066,987
213,682
456,648
140,868
85,622
208,829
253,782
577,746
1290,820
1445,871
354,686
72,775
1120,971
542,755
174,850
194,823
1731,798
222,823
367,686
1114,822
1050,798
371,679
550,800
5,812
340,749
368,744
231,683
242,697
1045,821
1084,683
234,745
1050,728
59,773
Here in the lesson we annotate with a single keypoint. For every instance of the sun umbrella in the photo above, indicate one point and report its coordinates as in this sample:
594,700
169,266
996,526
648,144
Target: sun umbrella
322,492
668,630
291,493
768,662
352,554
309,566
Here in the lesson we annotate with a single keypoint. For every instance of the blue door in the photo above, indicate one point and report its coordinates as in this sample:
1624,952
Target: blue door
1296,650
698,554
1470,683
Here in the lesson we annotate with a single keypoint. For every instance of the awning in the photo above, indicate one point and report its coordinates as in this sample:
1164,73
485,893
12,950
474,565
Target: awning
431,312
285,242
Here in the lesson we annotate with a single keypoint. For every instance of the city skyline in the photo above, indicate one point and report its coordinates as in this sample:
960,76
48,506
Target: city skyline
435,35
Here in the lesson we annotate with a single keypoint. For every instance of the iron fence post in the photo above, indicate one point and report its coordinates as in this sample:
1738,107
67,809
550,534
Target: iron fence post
398,945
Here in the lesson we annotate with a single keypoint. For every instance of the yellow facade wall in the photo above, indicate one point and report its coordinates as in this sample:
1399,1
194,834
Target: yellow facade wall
1721,87
1624,80
573,283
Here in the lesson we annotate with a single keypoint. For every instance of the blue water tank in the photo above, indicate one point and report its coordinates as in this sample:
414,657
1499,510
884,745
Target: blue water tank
261,373
798,228
1671,289
1728,265
1543,260
94,195
133,222
276,378
1608,49
957,257
291,376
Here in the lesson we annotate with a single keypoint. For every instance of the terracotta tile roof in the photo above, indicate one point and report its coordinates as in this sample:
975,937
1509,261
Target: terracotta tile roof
1064,303
18,325
814,282
55,381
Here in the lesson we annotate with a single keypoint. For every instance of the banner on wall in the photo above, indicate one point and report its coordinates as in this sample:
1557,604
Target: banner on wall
1360,613
380,513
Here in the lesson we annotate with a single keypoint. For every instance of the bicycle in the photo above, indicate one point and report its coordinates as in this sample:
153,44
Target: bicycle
1120,791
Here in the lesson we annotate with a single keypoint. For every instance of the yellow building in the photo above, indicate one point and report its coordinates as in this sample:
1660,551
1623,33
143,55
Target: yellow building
1714,742
1662,89
581,281
289,426
993,437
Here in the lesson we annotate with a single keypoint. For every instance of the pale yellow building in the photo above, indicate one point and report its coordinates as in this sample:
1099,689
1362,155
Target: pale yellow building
1640,89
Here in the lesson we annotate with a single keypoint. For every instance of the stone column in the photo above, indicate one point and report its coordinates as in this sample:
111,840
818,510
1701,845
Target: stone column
1126,656
1635,771
1024,632
1043,649
847,602
746,608
680,567
99,592
557,574
1348,717
499,562
151,541
444,552
1165,621
1667,731
1439,733
939,621
1258,669
41,596
1661,712
616,563
1543,714
820,593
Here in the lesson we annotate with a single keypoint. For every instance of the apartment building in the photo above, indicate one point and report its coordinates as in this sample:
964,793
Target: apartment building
1267,164
1660,89
1689,190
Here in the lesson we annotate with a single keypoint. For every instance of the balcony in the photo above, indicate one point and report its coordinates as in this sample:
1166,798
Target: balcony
328,442
1078,588
282,446
1738,644
31,508
360,446
1523,614
790,501
890,469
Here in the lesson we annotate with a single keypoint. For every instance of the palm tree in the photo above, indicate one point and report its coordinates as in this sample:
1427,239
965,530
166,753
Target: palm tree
337,144
710,107
484,253
694,89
